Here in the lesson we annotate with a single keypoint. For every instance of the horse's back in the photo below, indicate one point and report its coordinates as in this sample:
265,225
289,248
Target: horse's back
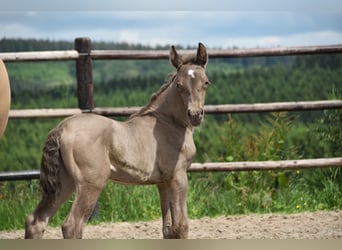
86,121
5,97
84,128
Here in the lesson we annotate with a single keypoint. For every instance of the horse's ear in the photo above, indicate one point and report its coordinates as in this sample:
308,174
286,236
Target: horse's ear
175,59
202,55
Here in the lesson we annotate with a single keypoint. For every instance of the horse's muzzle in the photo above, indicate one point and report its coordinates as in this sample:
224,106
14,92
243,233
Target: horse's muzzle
196,116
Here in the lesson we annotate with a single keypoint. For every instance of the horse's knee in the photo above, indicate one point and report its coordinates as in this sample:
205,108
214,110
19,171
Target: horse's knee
34,229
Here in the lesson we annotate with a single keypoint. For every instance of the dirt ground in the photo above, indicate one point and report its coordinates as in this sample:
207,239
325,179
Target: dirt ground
317,225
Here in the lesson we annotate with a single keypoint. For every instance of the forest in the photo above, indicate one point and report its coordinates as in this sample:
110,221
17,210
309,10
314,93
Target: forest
231,137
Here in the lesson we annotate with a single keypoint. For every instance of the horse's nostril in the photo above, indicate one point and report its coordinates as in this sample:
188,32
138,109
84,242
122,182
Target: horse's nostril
198,113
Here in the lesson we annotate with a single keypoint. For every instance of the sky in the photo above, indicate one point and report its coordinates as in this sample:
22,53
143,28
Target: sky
216,23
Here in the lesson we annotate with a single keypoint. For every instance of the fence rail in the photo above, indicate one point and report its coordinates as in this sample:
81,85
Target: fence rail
209,109
265,165
164,54
215,167
83,55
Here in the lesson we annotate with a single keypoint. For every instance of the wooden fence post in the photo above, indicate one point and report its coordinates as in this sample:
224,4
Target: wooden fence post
84,72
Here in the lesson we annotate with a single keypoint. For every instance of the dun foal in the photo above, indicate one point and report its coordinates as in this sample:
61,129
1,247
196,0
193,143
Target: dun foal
154,146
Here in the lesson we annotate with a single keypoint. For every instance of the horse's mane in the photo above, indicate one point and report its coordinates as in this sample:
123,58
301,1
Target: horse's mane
188,59
145,110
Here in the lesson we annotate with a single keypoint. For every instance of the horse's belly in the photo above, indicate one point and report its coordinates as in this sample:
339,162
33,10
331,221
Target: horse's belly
127,174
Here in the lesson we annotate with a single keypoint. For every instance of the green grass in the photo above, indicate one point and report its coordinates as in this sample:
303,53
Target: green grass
209,194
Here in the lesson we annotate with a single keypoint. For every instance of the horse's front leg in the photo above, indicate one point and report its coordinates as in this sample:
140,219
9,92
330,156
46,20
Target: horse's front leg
173,196
166,210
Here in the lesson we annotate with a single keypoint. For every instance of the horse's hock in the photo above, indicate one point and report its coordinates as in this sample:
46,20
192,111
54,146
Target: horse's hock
5,97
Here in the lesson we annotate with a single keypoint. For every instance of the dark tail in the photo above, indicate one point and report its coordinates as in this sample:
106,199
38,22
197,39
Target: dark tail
50,166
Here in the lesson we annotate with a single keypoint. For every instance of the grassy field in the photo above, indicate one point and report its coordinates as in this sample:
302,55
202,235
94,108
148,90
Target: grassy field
209,194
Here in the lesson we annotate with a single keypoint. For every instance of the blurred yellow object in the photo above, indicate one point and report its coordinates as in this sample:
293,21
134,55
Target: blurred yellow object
5,97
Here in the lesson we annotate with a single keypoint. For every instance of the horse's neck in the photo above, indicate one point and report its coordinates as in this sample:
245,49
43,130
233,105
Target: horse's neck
170,106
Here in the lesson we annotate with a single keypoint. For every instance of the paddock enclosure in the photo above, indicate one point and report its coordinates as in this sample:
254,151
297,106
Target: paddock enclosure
84,56
307,225
322,225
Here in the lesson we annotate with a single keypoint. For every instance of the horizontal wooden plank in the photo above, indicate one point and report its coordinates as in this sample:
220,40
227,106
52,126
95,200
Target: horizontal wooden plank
39,56
216,167
209,109
265,165
279,51
218,53
273,107
164,54
42,113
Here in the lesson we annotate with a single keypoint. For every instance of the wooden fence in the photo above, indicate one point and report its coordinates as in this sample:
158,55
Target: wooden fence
83,56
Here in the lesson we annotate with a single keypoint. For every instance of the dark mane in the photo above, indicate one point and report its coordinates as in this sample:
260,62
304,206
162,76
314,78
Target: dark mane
145,110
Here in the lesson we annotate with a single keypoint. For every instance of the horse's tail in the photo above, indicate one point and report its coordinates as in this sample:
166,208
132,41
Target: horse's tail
50,166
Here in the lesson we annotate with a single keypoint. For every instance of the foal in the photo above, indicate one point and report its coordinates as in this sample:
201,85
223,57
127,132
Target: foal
154,146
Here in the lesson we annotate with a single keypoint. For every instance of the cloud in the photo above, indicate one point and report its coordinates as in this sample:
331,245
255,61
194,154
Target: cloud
174,5
216,29
300,39
325,37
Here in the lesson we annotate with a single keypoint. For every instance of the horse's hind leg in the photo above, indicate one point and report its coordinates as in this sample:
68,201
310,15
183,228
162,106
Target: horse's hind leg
85,201
36,223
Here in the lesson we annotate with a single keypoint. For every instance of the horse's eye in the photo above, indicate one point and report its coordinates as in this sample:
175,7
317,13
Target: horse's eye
206,83
178,85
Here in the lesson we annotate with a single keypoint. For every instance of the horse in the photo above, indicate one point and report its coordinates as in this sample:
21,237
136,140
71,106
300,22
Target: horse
153,146
5,97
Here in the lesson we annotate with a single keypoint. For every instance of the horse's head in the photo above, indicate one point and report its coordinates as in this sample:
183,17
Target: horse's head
191,82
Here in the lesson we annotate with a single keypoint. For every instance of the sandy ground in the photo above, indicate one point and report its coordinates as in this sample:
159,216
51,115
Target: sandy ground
317,225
